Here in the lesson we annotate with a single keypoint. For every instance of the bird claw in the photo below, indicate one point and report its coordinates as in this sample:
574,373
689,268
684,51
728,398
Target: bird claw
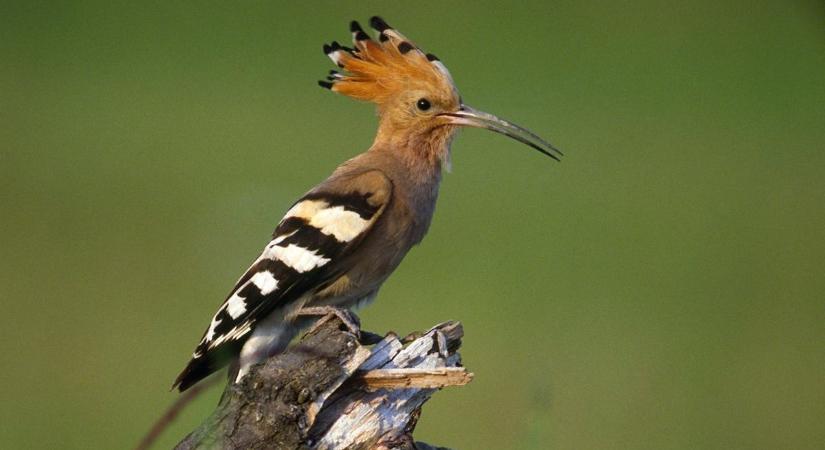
369,338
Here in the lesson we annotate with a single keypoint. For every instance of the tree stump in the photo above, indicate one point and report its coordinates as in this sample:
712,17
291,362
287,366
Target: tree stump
331,392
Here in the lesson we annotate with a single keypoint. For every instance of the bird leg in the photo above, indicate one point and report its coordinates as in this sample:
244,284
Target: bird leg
346,316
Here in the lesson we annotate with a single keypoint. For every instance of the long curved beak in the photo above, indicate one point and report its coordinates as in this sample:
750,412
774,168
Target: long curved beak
469,117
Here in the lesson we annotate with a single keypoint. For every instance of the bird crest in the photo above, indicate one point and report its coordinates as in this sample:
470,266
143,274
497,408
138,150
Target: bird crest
377,71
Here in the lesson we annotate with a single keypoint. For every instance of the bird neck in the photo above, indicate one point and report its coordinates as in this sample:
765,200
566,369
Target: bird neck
423,152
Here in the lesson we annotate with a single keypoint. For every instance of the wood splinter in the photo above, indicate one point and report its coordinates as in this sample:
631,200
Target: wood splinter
414,378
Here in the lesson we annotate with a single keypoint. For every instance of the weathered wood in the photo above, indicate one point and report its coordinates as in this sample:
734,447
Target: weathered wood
414,378
330,392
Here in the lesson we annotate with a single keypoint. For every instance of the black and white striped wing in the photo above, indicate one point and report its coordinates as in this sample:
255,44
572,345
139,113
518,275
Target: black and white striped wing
314,234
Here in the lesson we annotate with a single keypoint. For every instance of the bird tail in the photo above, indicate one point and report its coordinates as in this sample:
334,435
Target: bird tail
196,370
202,366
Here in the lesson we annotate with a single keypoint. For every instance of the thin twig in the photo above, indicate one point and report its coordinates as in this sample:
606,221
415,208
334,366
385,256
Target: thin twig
172,412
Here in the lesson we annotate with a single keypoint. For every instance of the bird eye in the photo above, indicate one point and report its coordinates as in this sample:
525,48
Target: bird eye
423,104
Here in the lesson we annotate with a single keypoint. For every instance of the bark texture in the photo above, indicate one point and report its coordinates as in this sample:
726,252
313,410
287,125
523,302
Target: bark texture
331,392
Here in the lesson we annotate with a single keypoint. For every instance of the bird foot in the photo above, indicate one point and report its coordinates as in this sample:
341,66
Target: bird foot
369,338
325,313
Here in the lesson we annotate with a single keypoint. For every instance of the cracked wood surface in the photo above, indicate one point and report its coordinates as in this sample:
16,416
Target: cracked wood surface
330,392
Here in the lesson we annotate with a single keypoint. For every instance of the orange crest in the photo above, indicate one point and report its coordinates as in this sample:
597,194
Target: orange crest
377,71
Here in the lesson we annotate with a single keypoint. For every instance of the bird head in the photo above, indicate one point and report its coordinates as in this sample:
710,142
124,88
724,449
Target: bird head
418,103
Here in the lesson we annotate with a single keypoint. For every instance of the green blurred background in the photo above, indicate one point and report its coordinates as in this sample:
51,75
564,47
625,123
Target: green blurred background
661,288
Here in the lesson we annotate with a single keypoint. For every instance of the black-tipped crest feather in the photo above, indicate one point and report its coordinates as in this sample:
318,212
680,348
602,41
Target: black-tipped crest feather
378,23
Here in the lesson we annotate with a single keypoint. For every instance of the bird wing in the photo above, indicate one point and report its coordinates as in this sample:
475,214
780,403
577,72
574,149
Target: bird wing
320,229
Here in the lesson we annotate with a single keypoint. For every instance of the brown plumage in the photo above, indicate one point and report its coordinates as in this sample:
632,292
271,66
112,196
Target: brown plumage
339,242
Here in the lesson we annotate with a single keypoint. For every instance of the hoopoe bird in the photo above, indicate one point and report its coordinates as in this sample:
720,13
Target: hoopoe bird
338,243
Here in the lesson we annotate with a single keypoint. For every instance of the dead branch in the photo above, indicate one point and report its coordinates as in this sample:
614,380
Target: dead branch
330,392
